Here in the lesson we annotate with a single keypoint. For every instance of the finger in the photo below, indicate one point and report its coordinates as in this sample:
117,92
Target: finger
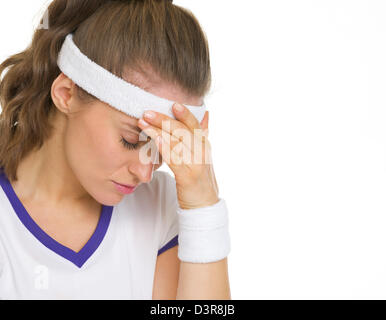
177,156
173,145
175,128
189,142
163,122
159,161
186,116
205,121
149,130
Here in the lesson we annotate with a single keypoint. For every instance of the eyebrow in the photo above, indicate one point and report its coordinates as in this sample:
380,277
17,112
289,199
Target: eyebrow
135,128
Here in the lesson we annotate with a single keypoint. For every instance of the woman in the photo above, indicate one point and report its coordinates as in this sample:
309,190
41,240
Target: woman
69,228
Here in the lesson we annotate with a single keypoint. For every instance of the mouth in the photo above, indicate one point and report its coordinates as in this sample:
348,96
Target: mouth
125,189
126,185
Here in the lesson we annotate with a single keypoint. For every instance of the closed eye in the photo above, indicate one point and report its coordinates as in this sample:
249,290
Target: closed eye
128,145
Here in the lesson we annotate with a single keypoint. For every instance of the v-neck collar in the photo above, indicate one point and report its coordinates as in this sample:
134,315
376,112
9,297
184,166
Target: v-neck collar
78,258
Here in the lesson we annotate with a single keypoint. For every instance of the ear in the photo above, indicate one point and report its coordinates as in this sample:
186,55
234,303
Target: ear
62,91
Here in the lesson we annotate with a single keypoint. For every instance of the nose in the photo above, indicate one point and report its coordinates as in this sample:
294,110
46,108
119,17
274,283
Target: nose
144,172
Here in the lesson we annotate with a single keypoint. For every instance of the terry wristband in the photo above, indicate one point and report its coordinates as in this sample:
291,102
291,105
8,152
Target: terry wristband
203,233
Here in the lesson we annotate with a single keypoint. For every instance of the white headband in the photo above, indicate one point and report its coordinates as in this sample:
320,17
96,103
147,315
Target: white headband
111,89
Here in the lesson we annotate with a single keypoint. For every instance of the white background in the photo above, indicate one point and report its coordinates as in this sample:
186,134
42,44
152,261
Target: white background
297,127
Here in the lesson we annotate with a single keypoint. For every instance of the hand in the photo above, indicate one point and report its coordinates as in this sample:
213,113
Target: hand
193,170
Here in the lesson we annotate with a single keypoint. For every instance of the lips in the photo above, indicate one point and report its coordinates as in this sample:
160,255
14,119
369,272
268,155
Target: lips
123,189
127,185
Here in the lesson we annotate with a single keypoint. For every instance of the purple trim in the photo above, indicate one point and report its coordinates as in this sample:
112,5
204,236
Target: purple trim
172,243
78,258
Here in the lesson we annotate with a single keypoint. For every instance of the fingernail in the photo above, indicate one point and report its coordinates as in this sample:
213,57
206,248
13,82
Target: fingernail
149,114
178,107
143,122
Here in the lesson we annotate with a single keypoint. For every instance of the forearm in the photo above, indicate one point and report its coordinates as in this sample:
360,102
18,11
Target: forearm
204,281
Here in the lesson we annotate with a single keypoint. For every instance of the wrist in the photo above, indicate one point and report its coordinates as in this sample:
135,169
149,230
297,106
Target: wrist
201,203
204,233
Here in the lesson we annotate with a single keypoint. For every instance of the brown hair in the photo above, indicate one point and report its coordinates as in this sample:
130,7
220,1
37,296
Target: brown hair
116,34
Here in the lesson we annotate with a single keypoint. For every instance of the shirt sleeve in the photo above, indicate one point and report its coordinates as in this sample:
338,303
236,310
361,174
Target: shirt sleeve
169,229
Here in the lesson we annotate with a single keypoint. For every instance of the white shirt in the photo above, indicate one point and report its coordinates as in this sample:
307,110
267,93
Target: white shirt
118,261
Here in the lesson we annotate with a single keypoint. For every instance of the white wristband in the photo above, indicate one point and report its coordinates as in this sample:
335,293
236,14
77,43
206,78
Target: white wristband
203,233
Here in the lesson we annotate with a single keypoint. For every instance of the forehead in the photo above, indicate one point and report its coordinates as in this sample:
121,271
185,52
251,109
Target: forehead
148,80
129,121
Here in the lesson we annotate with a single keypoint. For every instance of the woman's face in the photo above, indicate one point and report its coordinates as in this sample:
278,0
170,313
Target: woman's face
97,140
